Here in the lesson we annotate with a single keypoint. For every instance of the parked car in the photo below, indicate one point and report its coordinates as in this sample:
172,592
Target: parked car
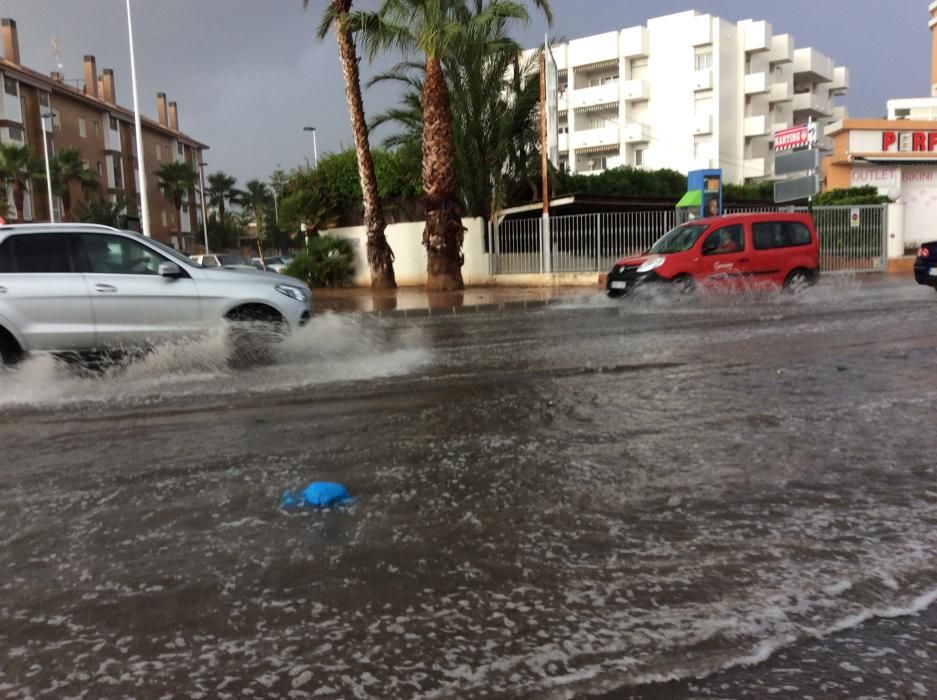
734,250
237,262
275,263
82,288
925,264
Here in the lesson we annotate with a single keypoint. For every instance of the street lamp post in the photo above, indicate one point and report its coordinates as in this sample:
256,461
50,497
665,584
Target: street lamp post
315,151
45,152
201,194
144,199
276,212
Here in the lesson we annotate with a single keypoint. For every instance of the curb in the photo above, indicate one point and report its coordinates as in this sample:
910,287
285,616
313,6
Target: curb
463,309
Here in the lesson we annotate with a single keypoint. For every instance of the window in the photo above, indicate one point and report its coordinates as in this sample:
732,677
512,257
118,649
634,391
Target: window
179,148
9,86
704,60
113,123
6,256
82,128
56,119
779,234
100,168
118,175
209,261
728,239
44,99
119,256
159,152
97,128
16,134
163,217
36,253
638,157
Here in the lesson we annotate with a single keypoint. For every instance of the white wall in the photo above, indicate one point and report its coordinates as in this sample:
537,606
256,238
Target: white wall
406,240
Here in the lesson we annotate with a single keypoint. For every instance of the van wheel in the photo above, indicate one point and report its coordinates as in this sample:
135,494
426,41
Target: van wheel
798,281
10,350
683,285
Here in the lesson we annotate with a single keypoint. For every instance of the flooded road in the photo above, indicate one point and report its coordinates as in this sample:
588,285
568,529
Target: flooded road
725,497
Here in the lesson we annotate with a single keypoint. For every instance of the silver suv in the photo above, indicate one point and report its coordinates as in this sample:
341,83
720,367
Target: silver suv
83,287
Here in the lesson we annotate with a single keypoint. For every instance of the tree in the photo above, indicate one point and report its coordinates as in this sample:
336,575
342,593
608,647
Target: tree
176,181
221,189
67,167
434,29
255,200
380,256
308,208
17,169
99,210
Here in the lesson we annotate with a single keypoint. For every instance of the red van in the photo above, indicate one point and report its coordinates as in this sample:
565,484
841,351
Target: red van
736,250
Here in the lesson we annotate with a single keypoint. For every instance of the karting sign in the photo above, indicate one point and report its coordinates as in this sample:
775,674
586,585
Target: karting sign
800,136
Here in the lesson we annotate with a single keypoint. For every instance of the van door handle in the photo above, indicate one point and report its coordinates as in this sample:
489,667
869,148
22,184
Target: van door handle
105,288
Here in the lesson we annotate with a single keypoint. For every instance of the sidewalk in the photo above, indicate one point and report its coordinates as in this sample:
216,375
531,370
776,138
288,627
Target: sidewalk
416,301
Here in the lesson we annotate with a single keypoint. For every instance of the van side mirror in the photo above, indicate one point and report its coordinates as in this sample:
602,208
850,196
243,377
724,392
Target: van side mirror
169,269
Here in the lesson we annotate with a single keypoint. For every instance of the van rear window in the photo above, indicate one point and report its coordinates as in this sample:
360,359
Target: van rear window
779,234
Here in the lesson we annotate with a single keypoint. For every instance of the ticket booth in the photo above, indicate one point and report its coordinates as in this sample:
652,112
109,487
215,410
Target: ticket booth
703,197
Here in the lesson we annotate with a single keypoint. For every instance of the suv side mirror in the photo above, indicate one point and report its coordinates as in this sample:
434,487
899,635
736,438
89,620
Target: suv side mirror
169,269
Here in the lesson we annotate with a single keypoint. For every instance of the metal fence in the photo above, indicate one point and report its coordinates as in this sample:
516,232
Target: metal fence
852,238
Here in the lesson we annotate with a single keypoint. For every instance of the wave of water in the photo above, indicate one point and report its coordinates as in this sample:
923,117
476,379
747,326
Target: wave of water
332,347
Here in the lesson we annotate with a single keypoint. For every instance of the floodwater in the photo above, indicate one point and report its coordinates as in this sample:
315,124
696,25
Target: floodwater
727,496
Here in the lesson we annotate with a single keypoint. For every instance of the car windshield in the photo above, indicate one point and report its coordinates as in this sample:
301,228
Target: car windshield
678,239
165,249
232,260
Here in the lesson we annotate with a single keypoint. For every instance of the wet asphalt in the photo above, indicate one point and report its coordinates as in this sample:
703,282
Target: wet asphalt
723,496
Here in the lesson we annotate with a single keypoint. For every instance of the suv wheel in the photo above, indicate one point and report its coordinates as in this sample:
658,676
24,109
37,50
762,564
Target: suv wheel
10,351
254,329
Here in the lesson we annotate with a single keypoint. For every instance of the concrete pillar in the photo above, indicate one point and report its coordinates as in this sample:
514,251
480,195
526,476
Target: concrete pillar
895,230
162,109
91,76
11,42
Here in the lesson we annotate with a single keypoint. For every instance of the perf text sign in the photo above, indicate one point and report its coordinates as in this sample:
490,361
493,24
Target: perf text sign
909,141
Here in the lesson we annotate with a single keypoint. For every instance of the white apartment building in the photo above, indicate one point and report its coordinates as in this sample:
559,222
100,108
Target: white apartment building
688,91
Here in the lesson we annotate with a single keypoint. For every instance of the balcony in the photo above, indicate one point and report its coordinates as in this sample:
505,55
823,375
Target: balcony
754,167
811,65
590,138
590,96
703,124
701,30
756,126
635,42
781,92
633,90
562,104
635,133
808,104
757,36
782,49
703,79
756,83
840,83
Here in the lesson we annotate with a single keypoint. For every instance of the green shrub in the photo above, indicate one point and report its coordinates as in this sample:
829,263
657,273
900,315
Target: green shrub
326,261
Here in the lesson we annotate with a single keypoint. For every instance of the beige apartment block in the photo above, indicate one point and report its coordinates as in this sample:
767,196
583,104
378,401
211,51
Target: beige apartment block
86,116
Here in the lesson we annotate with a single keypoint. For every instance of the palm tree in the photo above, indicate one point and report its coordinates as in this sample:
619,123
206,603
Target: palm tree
256,199
380,256
17,169
67,167
99,210
434,29
221,189
176,180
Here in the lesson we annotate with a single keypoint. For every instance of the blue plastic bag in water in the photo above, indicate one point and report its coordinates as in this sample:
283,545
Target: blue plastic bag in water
319,494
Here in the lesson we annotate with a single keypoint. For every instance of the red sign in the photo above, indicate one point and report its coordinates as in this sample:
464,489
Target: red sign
909,141
800,136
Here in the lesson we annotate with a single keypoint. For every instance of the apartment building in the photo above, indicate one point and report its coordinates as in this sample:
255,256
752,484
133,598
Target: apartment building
85,115
688,91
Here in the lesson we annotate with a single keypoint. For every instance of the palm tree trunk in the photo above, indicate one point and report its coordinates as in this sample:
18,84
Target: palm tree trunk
444,232
380,256
18,200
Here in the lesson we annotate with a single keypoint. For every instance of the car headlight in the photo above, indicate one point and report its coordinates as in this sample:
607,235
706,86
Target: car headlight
297,293
651,264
